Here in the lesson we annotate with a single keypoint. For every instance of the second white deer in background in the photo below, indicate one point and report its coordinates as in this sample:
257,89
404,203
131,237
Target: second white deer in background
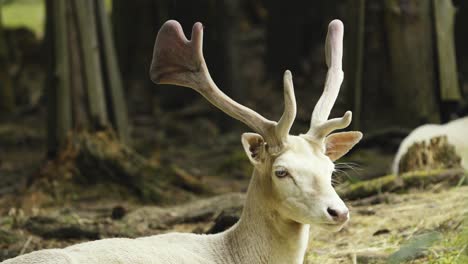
456,132
290,189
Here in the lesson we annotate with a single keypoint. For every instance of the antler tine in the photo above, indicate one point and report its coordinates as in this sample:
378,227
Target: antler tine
320,126
179,61
290,107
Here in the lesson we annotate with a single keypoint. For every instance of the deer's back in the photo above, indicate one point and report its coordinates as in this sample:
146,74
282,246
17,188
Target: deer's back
174,248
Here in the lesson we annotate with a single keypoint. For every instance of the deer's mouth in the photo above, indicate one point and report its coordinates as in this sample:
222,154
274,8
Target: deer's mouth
333,224
332,227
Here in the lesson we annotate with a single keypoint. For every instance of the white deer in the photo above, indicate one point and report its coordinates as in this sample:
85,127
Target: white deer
290,189
456,132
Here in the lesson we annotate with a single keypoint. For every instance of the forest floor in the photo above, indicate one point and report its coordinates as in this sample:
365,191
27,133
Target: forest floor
416,226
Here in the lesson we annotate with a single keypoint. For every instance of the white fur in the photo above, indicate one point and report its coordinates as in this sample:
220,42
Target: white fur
456,132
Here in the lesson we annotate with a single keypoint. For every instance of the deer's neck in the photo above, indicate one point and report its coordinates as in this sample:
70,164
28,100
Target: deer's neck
264,236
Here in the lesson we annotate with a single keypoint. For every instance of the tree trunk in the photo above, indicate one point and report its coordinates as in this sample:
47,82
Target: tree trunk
444,14
355,56
376,91
95,86
80,110
115,94
134,47
7,98
285,37
411,51
62,104
85,86
50,94
461,41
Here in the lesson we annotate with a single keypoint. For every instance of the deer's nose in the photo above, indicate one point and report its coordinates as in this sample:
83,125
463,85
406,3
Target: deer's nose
338,214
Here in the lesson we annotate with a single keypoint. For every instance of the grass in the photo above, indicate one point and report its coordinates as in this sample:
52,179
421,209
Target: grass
452,248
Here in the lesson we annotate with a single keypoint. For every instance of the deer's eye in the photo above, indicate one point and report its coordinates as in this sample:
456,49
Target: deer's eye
281,173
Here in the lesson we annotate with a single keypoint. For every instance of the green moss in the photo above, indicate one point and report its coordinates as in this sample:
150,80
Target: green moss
7,238
6,222
393,183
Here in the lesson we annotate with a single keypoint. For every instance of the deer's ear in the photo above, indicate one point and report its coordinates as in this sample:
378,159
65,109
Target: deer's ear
338,144
254,147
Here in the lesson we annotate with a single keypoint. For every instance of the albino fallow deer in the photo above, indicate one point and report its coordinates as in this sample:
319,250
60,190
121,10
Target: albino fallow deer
290,189
456,132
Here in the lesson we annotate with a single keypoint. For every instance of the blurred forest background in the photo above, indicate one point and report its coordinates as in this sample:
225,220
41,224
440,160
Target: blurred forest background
86,139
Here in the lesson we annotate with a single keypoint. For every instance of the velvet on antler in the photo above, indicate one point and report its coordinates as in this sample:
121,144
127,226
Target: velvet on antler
320,126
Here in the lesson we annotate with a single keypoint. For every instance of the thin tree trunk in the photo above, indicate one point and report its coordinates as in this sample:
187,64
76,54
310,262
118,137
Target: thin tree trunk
285,49
133,44
461,42
233,76
50,91
115,99
376,90
62,113
444,15
7,98
95,85
355,55
80,109
411,51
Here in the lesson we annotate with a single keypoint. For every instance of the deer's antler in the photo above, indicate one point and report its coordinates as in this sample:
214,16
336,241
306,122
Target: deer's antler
179,61
320,126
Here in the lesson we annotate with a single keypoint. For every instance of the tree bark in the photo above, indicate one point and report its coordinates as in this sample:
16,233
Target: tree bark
62,111
285,37
355,56
7,98
50,94
444,16
95,86
80,111
84,87
461,42
134,47
411,51
115,94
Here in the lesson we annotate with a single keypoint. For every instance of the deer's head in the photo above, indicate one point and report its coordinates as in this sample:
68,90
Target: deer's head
295,171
